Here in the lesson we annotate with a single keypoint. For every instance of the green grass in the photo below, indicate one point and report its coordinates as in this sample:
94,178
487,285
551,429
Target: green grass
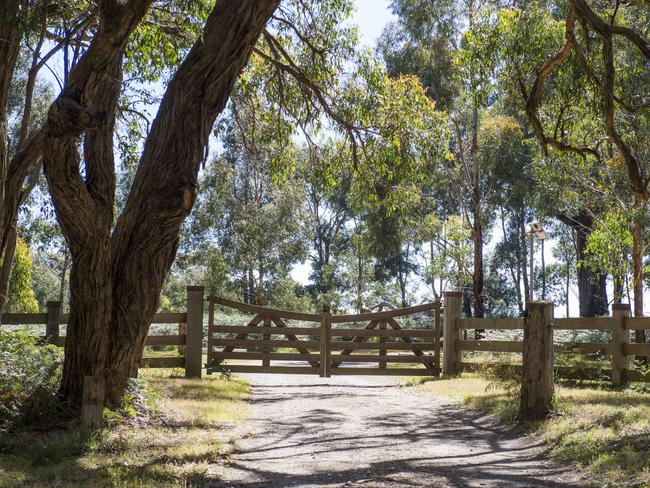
603,430
180,445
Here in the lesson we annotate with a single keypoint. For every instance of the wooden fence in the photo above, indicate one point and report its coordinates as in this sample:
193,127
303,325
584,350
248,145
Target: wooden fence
189,338
324,344
620,349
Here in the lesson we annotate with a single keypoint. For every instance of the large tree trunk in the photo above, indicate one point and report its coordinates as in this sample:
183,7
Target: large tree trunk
88,334
116,280
62,279
146,235
592,287
6,265
10,36
84,205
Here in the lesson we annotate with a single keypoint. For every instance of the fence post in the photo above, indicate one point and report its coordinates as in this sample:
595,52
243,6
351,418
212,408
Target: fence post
325,343
92,403
436,337
537,371
52,321
194,341
620,337
450,356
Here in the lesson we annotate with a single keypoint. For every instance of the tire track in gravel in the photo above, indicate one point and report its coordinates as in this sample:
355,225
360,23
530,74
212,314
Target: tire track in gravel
367,432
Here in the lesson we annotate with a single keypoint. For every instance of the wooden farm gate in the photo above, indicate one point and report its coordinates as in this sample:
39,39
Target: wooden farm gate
324,344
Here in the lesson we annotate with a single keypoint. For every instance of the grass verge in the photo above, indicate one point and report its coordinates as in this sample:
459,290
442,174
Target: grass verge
603,430
179,445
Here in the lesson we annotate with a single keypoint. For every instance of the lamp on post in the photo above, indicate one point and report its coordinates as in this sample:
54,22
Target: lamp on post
536,230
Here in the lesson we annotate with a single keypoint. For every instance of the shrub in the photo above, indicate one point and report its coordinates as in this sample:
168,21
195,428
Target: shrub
29,377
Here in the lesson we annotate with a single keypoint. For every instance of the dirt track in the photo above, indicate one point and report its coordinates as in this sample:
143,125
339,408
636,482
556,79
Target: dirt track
366,432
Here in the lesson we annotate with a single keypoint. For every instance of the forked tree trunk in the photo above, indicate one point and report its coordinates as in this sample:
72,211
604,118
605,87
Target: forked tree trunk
146,235
116,279
88,332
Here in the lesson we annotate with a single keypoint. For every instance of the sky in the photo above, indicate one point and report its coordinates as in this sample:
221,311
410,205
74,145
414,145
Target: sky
371,17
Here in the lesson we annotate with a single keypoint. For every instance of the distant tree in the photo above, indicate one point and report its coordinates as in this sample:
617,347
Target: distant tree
581,72
21,294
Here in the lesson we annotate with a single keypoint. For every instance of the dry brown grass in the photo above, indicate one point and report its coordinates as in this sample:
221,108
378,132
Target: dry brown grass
182,445
605,431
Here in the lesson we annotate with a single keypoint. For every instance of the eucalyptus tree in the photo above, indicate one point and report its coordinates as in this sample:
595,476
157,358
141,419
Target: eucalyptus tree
581,71
32,34
504,153
247,211
405,139
428,40
609,249
119,266
449,260
327,186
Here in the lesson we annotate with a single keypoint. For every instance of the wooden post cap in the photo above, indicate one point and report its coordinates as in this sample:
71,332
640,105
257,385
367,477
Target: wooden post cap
453,294
621,306
196,288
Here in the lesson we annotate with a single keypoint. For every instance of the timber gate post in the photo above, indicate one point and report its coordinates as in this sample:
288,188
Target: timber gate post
437,326
194,342
92,404
453,310
620,337
537,371
325,343
52,321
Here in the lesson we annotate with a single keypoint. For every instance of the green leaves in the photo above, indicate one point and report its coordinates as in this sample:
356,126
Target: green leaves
609,246
161,40
21,295
29,378
403,139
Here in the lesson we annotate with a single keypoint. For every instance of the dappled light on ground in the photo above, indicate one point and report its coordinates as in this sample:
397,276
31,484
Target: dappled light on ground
309,432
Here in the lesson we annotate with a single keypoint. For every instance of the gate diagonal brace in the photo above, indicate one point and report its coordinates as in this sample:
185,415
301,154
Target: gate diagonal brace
243,335
280,323
346,352
409,340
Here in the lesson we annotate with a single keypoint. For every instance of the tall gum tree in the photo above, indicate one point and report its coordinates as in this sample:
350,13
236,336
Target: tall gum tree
118,268
33,31
581,72
428,40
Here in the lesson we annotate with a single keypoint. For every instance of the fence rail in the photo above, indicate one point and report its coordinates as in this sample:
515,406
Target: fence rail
335,345
53,319
620,349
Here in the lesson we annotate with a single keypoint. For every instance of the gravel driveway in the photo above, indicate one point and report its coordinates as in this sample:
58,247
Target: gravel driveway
366,432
